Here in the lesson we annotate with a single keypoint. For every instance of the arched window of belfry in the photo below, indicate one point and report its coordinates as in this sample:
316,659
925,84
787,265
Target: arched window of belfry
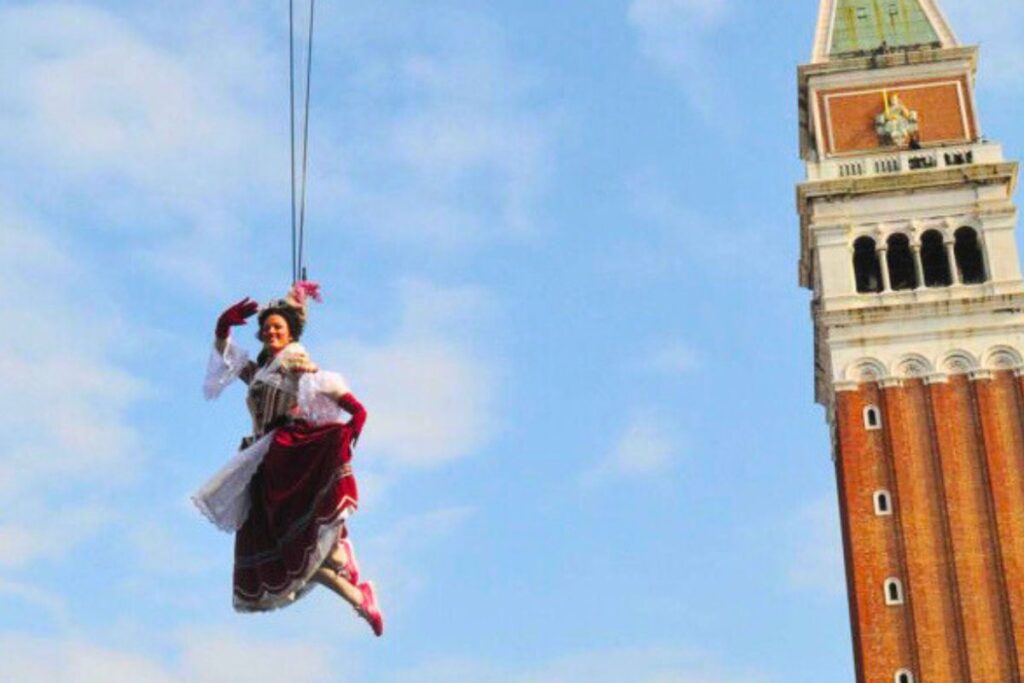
902,272
866,266
968,257
935,260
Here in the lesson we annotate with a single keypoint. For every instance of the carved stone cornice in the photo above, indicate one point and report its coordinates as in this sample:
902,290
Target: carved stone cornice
895,372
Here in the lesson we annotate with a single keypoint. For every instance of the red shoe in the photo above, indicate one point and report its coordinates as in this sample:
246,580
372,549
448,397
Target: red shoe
350,570
369,610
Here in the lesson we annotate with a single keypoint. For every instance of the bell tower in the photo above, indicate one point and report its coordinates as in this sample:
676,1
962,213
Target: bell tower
908,245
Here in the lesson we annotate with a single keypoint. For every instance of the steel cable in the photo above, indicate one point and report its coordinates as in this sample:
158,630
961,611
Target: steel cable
298,208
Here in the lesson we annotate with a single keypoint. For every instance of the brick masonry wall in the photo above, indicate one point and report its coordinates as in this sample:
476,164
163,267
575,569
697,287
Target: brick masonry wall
882,633
973,539
929,585
952,457
998,407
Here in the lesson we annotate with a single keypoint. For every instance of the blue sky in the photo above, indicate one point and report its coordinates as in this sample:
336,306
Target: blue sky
558,247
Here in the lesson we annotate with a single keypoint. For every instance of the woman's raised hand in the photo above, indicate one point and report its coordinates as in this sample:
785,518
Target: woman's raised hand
235,315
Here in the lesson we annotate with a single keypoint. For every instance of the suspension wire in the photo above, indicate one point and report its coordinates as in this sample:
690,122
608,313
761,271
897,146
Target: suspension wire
298,187
291,109
305,144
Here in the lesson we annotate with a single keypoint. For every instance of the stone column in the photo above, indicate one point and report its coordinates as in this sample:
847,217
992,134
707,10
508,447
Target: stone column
883,260
951,255
918,264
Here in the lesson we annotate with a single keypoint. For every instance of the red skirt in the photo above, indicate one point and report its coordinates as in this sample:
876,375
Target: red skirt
301,495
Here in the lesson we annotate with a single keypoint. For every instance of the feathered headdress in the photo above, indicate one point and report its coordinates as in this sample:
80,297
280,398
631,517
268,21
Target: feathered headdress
298,297
296,302
300,294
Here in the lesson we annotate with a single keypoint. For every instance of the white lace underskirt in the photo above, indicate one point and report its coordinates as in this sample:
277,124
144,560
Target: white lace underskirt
224,499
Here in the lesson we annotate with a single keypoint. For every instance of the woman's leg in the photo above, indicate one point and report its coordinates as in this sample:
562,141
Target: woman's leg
361,597
343,560
329,578
339,557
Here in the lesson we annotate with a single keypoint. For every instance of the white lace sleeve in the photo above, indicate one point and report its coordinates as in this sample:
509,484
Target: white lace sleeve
318,394
223,369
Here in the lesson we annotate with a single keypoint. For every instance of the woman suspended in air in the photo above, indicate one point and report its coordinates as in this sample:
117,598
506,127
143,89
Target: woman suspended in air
290,489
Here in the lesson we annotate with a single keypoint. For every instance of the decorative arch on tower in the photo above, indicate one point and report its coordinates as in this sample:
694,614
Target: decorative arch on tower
959,362
866,370
912,366
1003,358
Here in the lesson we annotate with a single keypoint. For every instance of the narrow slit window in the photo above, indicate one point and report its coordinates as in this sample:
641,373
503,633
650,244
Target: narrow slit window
872,418
883,503
904,676
893,592
902,271
935,260
866,266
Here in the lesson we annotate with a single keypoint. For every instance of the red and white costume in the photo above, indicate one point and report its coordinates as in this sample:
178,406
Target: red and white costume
288,491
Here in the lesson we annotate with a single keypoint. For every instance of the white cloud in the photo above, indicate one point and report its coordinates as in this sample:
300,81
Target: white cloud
213,656
675,357
817,554
394,555
642,665
67,387
163,552
65,408
669,236
91,97
677,36
46,529
53,605
654,13
650,445
205,656
179,142
162,141
469,129
450,142
998,26
429,391
216,655
46,661
637,665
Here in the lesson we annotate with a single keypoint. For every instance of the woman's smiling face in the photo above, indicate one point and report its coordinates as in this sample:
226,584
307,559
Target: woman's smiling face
275,333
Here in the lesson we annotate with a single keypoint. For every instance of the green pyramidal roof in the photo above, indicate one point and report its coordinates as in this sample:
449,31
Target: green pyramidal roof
864,25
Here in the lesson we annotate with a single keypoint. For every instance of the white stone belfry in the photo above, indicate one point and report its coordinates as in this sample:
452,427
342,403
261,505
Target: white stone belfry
908,241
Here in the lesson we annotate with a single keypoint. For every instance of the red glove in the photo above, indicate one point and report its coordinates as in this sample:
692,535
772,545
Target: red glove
236,315
354,408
